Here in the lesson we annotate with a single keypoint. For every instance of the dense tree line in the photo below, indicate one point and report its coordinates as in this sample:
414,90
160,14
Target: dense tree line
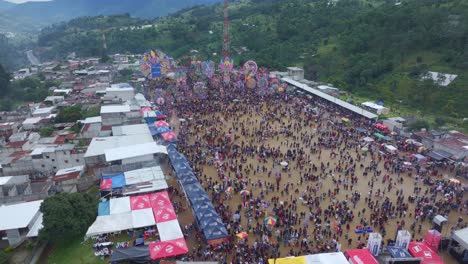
375,49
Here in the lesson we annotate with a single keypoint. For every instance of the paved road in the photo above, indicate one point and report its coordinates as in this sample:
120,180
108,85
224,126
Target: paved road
32,59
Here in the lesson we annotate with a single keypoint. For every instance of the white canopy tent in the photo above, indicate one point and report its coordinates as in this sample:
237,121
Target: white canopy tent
327,258
144,175
367,139
461,236
120,205
149,187
330,98
110,223
143,218
169,230
391,148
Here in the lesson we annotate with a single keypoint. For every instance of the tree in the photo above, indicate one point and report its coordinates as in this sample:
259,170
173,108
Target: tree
46,131
67,216
4,81
69,115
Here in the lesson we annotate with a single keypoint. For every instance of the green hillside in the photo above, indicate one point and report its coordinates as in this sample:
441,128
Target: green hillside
376,49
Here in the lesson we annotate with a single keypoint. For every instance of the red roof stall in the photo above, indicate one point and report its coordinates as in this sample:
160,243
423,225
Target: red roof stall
360,256
421,250
432,239
166,249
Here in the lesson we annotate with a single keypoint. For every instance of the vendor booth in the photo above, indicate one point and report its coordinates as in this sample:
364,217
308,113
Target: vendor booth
360,256
458,247
423,251
397,255
324,258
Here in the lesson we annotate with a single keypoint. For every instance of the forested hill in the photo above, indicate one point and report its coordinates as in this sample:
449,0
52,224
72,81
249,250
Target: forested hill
376,49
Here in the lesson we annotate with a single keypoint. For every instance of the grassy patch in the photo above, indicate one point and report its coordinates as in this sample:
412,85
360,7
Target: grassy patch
74,252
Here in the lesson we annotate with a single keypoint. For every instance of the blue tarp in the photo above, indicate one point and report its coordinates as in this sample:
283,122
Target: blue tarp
153,130
215,230
160,130
398,252
158,113
199,199
118,180
181,167
205,213
194,188
104,208
150,120
187,178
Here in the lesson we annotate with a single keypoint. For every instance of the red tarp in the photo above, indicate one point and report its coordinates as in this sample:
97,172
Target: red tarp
161,123
168,136
421,250
360,256
106,184
140,202
164,214
170,248
432,239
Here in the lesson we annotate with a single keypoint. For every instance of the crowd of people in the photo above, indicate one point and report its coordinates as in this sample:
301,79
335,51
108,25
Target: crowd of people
297,161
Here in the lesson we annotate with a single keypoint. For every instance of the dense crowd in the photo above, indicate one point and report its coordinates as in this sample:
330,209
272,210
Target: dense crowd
300,161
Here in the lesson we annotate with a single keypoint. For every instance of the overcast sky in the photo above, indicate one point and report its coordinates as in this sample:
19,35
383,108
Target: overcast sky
23,1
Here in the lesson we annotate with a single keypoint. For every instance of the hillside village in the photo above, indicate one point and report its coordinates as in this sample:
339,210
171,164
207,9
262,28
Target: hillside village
74,156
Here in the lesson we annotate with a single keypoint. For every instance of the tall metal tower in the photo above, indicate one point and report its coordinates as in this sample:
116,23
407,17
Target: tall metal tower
226,41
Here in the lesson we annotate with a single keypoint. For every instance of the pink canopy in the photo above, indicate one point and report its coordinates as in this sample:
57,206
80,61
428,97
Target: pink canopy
160,199
140,202
421,250
106,184
170,248
164,214
161,123
145,109
360,256
168,136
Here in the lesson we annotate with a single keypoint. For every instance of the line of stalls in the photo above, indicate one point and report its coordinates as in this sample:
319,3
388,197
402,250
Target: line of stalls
417,253
157,125
139,199
208,220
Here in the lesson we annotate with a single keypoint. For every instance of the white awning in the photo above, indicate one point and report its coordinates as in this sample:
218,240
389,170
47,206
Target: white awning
34,231
143,218
330,98
327,258
143,175
461,236
133,151
110,223
169,230
120,205
151,186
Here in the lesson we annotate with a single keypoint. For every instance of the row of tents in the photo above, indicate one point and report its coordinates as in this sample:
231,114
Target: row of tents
207,218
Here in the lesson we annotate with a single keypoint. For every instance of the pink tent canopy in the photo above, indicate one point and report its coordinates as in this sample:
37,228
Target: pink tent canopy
145,109
170,248
168,136
106,184
140,202
164,214
421,250
360,256
161,123
160,199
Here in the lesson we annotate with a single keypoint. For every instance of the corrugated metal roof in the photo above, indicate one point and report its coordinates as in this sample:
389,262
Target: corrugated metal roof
330,98
134,151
